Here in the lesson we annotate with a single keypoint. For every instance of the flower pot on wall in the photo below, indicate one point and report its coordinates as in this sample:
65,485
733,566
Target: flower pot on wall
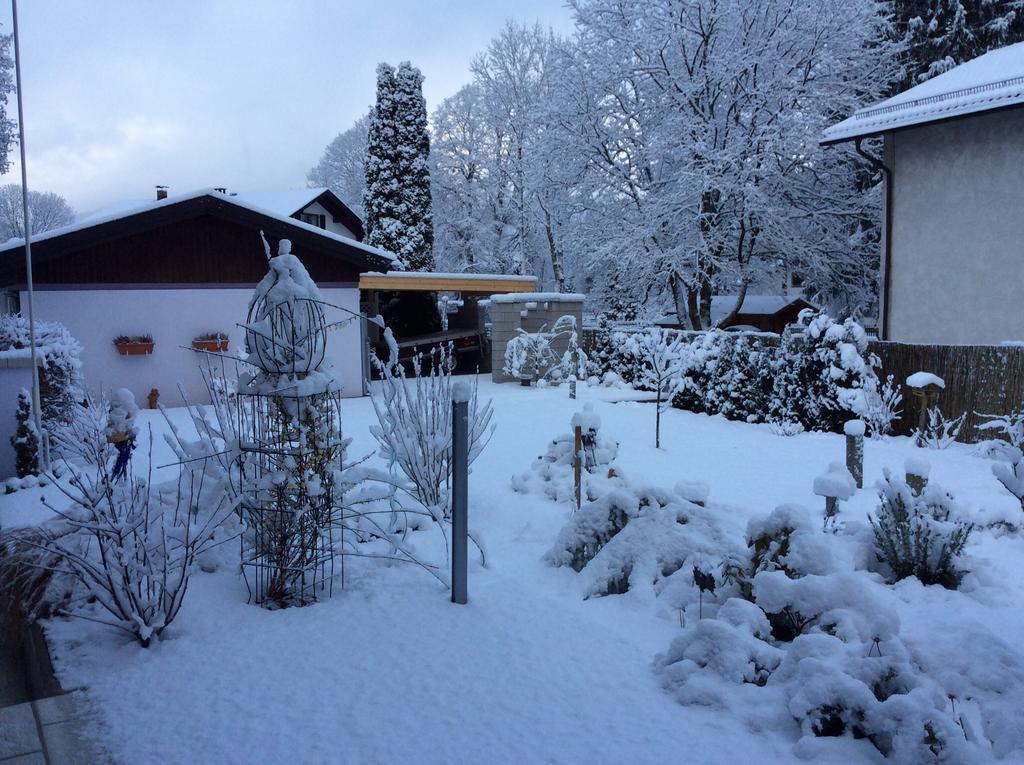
211,346
134,349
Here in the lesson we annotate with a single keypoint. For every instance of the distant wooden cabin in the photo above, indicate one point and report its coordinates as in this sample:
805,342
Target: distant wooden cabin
760,313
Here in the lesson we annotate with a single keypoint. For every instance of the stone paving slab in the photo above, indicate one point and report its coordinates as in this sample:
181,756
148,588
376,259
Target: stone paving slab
18,733
64,722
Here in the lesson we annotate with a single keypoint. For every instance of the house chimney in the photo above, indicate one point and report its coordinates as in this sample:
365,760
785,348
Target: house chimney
161,192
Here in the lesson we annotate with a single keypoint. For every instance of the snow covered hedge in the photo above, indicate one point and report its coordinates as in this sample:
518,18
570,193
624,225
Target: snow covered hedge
815,378
60,379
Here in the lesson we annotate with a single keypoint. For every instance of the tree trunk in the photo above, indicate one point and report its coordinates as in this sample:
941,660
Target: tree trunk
556,254
657,419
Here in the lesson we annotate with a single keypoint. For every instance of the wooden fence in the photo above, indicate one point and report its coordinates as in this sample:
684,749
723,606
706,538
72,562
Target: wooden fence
980,379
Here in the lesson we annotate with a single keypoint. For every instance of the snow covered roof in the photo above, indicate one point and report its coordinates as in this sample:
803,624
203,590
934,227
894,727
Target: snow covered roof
127,212
281,201
992,81
539,297
759,305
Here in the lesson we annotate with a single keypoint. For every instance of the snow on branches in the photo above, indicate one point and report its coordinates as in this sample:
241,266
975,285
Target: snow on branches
414,429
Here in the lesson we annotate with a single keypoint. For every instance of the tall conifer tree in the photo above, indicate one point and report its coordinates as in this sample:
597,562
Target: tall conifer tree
397,200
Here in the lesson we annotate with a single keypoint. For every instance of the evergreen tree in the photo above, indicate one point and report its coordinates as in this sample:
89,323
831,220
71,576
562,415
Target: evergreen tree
944,33
25,439
397,200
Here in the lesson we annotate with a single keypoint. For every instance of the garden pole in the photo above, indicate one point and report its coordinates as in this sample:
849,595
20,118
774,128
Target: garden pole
577,460
44,443
460,497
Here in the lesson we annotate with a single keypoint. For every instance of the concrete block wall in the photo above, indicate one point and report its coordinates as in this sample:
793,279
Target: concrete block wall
530,313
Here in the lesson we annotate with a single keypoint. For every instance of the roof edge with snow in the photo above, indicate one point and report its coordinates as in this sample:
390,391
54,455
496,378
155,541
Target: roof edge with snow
989,82
219,196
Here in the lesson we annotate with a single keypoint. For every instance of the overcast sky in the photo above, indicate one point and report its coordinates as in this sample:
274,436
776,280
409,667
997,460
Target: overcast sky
121,96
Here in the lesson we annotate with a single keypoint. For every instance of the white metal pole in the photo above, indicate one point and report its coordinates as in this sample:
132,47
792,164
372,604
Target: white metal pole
44,446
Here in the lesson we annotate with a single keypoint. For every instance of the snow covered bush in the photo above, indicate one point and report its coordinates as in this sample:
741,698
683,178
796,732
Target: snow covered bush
60,378
919,533
414,419
608,352
1011,475
939,433
129,546
1010,426
552,472
788,542
83,440
726,374
882,407
636,539
662,358
849,673
822,373
26,438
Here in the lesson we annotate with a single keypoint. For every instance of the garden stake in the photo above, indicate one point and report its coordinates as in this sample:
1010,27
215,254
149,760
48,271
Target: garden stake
577,460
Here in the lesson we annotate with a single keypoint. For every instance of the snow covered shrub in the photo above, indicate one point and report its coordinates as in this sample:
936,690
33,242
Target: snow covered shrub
662,358
637,540
1010,426
848,674
60,378
552,473
919,534
939,433
882,407
414,419
530,355
25,439
822,373
591,528
712,655
609,353
129,546
84,439
789,542
726,374
1011,475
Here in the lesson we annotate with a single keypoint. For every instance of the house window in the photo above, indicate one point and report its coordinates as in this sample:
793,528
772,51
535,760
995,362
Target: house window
316,219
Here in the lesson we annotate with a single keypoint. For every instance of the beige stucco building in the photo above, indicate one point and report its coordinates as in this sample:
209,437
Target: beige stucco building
953,161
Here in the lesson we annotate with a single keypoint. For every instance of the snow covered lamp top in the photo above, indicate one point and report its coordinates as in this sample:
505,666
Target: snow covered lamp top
836,482
286,331
925,381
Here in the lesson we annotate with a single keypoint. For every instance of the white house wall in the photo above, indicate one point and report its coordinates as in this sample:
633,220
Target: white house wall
335,228
174,317
958,231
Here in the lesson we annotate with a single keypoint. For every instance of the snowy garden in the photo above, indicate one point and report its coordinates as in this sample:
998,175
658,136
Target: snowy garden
772,575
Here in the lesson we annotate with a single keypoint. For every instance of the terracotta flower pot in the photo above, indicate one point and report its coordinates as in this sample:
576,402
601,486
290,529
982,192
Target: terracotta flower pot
134,349
211,346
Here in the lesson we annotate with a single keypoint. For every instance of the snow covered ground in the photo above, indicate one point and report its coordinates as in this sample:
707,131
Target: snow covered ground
389,671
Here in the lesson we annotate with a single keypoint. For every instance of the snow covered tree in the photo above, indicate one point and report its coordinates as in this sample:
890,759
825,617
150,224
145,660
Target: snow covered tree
25,439
662,360
7,125
397,198
700,121
46,210
944,33
342,166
